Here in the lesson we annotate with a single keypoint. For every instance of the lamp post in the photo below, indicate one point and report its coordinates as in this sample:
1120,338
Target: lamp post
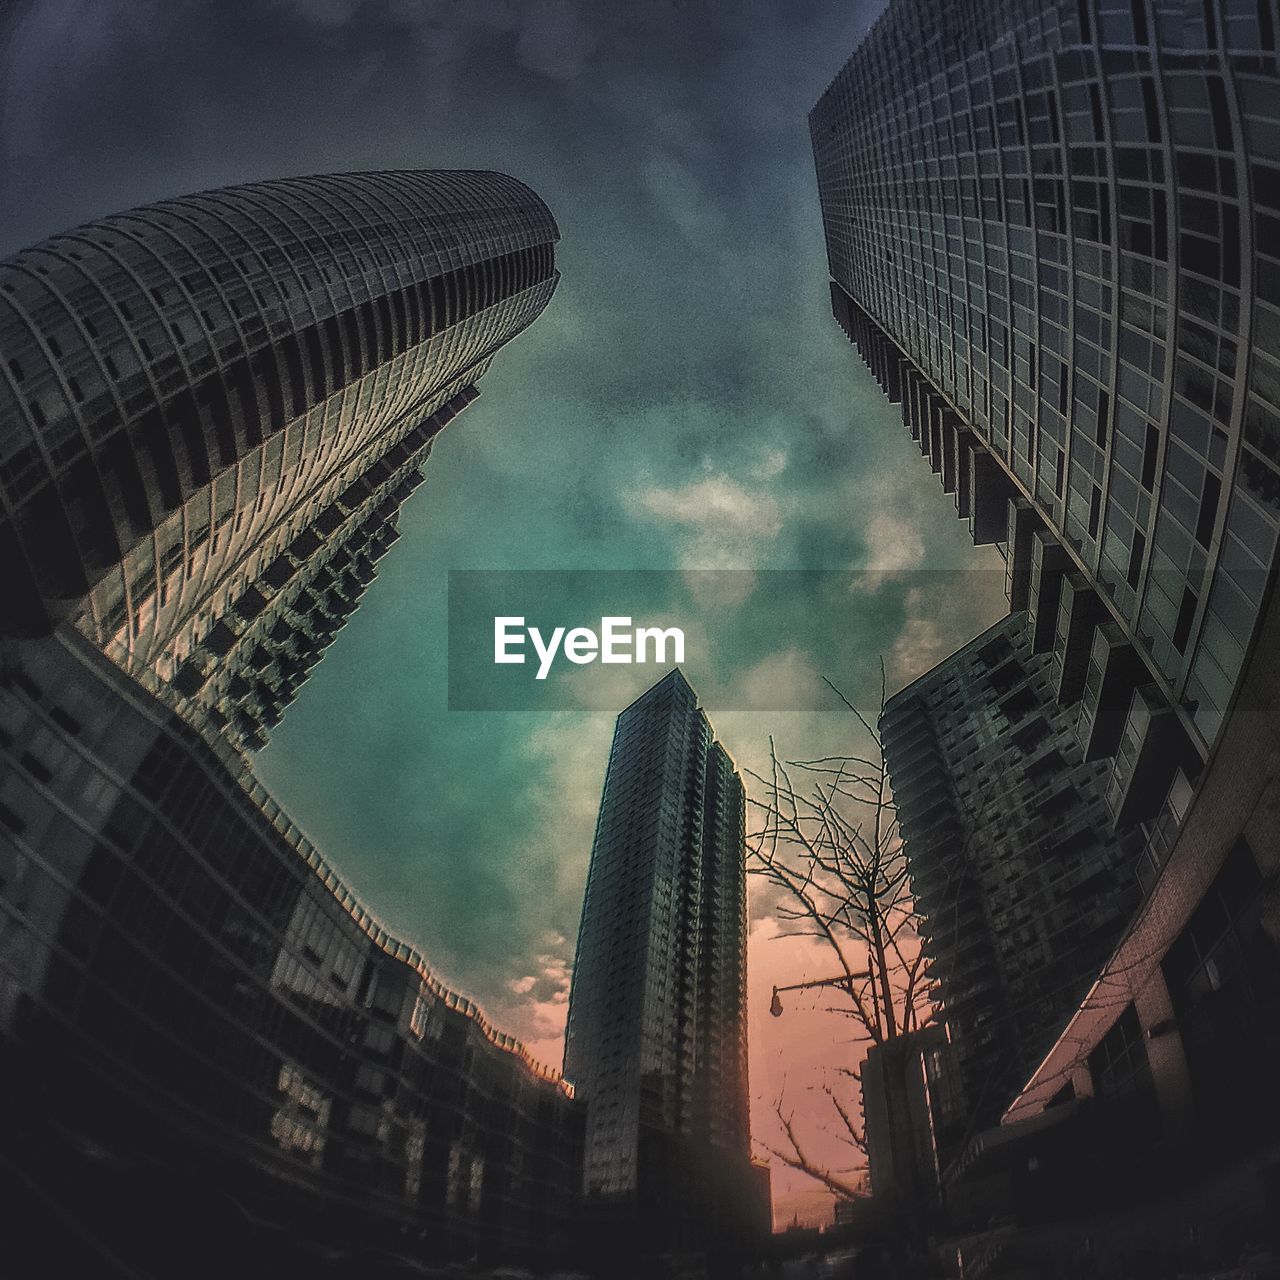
844,980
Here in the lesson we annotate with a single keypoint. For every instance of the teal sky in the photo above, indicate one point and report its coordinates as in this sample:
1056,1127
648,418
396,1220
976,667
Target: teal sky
686,402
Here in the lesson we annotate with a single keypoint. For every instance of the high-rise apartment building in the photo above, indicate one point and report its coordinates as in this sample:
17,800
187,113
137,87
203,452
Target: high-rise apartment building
1050,229
216,405
656,1042
213,408
1022,880
1053,231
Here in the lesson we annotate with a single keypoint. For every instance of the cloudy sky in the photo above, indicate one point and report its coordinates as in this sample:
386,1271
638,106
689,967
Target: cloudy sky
685,403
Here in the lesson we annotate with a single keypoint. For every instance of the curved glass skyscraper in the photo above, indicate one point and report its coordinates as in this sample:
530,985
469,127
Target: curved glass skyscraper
214,406
212,410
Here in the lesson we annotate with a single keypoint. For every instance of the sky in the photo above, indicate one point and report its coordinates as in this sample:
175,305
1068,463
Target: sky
685,403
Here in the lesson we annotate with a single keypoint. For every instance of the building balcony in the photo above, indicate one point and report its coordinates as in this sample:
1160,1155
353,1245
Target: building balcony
1163,831
911,777
902,739
951,425
929,872
913,392
914,788
841,309
933,830
932,846
958,903
962,995
1079,612
963,442
1115,670
901,710
923,400
931,405
1022,521
1153,746
990,490
383,543
1049,563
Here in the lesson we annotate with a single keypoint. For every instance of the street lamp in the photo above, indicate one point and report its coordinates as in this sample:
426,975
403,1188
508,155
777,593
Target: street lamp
844,980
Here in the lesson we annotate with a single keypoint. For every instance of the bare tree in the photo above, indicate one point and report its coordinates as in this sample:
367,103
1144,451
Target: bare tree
828,843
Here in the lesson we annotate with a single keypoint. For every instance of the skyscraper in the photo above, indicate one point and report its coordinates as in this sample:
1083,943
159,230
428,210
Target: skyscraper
1023,883
214,407
656,1040
1053,232
1042,223
217,403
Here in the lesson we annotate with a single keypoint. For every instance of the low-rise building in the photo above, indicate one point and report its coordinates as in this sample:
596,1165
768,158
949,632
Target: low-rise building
186,986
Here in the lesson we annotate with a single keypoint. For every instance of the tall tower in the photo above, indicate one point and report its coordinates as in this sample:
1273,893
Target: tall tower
211,410
1024,884
656,1039
215,405
1039,225
1051,232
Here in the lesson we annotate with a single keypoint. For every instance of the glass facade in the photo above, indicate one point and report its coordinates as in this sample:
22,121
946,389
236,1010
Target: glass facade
215,405
179,966
656,1042
1022,881
213,409
1063,219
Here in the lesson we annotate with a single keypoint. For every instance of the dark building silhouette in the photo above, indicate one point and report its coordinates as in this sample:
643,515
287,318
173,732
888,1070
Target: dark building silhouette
188,988
902,1111
1156,1105
656,1042
217,403
1052,234
211,1050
